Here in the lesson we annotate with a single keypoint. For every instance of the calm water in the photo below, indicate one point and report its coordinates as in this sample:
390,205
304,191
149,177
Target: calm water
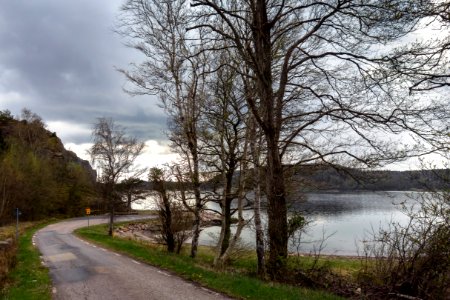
346,219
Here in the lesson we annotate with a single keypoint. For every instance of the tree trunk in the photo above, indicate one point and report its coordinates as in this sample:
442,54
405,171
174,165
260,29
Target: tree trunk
224,242
226,226
227,246
192,142
111,218
225,231
129,201
232,242
196,233
197,220
197,210
271,124
277,213
165,209
255,143
194,210
168,223
260,248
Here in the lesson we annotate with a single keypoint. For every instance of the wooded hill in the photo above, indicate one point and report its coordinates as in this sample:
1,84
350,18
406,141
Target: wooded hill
37,174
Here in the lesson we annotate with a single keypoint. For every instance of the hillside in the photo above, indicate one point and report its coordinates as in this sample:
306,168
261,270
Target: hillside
37,174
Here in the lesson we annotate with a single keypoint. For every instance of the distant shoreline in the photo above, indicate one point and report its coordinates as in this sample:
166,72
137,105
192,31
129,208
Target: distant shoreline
363,191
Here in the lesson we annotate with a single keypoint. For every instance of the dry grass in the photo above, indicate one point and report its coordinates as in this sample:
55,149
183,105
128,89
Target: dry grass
8,252
9,231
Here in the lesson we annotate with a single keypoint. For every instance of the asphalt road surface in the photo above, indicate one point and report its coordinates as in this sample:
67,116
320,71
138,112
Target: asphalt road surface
81,270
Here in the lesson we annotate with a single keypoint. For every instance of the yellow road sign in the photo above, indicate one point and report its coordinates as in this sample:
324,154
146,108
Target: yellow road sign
88,211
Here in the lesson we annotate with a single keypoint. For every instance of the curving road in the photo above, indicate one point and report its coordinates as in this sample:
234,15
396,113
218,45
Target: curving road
81,270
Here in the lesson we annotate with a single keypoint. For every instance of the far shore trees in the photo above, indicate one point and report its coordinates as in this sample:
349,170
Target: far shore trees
132,189
114,153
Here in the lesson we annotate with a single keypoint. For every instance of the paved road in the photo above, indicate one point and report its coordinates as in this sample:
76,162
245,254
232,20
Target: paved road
81,270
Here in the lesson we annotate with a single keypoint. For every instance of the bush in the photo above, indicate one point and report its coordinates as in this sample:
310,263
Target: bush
181,225
414,259
180,228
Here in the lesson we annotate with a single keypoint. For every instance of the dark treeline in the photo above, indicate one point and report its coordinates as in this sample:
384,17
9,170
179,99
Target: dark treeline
37,174
316,178
312,178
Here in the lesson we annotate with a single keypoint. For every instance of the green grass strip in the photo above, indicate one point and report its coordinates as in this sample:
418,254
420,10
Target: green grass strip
29,279
233,284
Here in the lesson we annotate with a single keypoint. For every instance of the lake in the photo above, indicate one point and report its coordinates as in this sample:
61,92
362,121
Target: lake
345,218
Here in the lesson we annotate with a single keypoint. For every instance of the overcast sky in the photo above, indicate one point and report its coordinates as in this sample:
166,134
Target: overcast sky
58,59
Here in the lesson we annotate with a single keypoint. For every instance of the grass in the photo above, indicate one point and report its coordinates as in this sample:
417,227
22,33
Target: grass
29,279
344,266
235,283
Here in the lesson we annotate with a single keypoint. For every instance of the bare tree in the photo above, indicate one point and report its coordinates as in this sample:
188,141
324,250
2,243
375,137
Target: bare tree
156,176
176,220
158,30
327,86
114,153
224,152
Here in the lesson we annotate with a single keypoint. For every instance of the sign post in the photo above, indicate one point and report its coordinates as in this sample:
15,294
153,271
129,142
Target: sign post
18,213
88,212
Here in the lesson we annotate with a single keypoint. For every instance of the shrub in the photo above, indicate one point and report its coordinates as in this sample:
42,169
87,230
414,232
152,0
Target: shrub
412,260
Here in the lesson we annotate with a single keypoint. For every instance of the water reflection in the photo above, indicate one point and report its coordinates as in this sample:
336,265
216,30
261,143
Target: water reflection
351,218
347,217
335,204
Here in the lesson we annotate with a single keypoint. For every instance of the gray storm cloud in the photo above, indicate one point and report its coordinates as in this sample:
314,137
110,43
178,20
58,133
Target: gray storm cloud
57,58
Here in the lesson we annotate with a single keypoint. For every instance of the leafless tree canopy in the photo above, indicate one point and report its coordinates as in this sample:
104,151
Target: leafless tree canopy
113,151
334,82
114,154
339,88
